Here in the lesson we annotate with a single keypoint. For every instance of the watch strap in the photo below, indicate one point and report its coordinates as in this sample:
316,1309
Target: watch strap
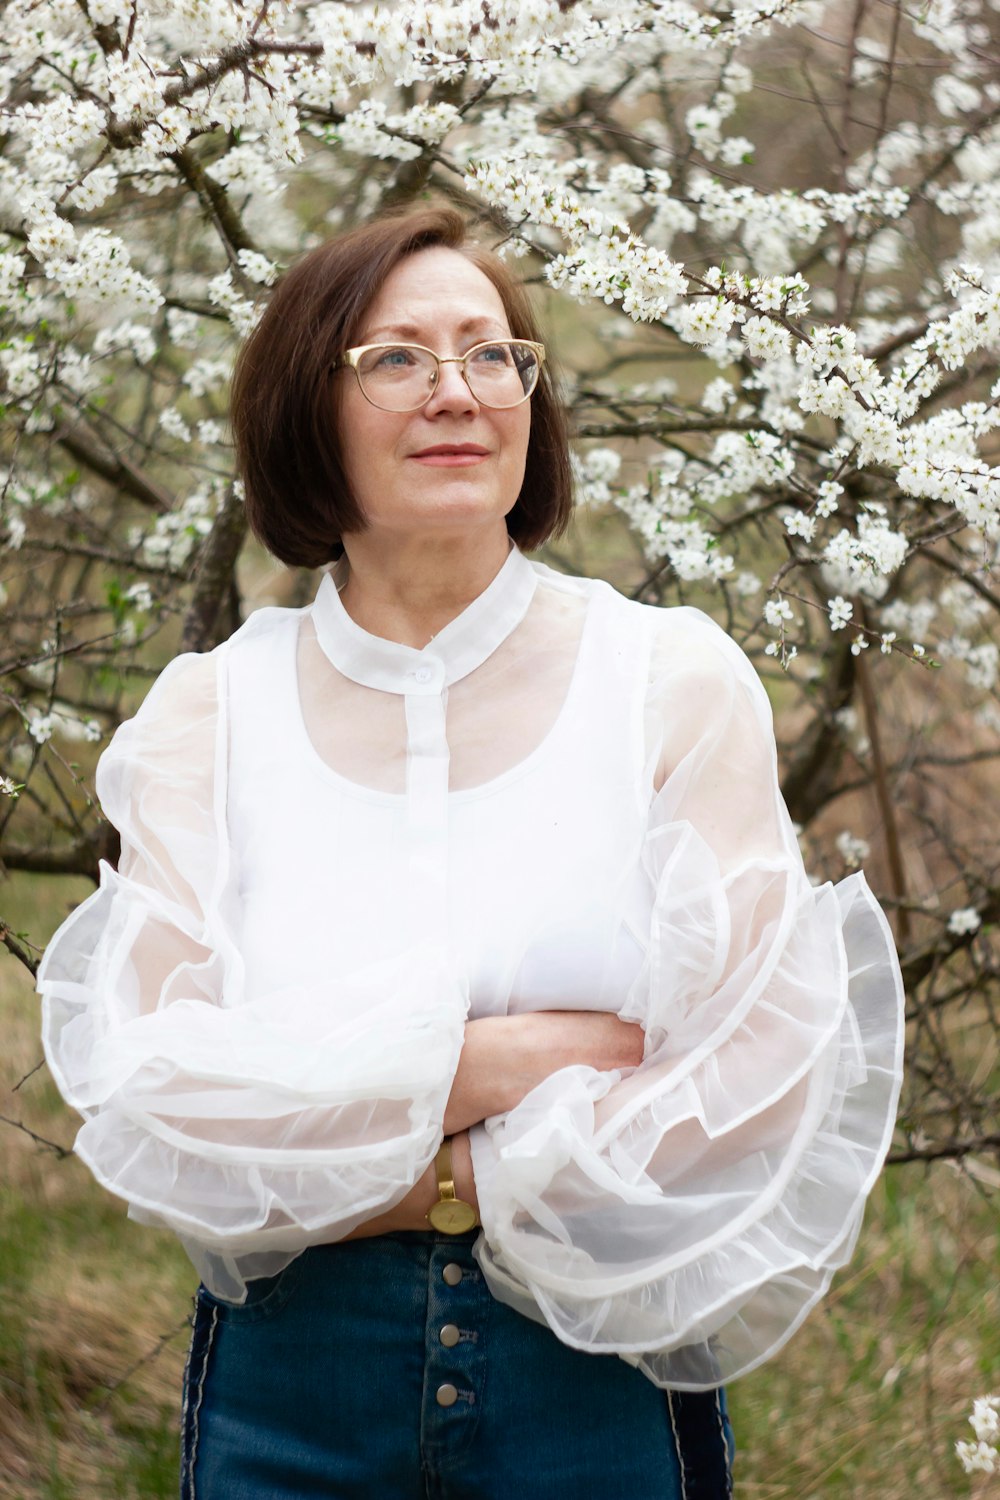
450,1214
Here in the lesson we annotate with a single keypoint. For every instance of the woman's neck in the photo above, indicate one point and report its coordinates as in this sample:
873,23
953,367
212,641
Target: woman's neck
408,591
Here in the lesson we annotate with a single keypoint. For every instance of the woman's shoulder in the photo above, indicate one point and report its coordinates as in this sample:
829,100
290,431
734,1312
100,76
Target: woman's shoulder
186,694
678,652
669,628
262,627
266,624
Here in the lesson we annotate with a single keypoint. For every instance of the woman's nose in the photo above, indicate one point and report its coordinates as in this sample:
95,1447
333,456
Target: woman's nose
452,392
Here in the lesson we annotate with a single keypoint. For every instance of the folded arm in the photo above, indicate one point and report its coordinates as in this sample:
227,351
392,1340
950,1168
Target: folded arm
687,1215
503,1058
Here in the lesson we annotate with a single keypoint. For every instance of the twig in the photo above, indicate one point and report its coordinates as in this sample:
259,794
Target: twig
884,798
30,1074
145,1359
952,1149
11,943
61,1151
116,468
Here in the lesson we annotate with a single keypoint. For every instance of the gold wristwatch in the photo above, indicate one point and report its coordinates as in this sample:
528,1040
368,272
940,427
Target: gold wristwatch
449,1215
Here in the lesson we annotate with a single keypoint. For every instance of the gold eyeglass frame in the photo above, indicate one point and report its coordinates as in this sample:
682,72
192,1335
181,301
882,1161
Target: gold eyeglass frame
349,361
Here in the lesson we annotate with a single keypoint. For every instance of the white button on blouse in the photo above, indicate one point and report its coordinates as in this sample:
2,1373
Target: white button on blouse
336,849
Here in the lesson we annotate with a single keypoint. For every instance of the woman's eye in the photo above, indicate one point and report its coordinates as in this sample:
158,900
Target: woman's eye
493,354
394,359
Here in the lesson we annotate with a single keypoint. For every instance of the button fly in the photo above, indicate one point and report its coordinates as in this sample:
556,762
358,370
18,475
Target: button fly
452,1273
447,1395
449,1335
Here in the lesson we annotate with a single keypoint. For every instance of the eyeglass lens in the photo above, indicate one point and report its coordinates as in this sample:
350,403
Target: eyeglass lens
401,377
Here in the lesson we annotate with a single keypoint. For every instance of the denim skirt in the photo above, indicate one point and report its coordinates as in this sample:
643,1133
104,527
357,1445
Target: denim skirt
384,1369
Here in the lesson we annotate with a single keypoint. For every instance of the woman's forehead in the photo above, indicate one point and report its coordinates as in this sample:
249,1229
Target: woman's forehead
432,289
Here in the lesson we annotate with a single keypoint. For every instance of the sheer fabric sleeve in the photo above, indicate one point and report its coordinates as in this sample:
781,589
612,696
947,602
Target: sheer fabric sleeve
687,1215
250,1127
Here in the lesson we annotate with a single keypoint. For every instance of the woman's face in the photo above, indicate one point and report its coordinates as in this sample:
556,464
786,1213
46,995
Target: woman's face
405,468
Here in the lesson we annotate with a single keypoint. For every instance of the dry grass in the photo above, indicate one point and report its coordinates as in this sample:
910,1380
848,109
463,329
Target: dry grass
867,1400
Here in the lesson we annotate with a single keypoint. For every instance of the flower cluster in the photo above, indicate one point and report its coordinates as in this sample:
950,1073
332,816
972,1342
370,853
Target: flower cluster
594,474
852,849
820,364
982,1456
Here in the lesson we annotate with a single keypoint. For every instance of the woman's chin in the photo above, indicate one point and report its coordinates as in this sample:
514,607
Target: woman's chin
450,510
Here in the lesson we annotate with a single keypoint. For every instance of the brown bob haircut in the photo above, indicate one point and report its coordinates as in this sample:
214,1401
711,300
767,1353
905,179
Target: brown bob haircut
298,500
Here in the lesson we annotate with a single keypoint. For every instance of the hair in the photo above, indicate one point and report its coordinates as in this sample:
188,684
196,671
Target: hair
299,503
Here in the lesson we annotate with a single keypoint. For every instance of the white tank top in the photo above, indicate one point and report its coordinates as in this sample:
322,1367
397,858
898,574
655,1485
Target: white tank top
529,876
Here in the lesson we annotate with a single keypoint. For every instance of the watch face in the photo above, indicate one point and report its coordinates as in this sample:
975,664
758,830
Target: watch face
453,1216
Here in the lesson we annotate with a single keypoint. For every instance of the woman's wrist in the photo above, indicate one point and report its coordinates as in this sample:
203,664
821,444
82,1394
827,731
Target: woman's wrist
464,1174
411,1211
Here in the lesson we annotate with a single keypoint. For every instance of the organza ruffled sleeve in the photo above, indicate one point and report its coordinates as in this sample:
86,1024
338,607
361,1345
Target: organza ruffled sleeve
251,1127
686,1216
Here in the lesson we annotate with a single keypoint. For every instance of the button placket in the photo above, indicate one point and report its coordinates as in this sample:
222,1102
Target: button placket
427,760
454,1350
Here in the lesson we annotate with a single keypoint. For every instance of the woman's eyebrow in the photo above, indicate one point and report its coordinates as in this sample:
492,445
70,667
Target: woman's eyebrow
413,332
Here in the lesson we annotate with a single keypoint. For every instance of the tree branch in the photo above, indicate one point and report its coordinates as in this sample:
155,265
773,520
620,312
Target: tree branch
883,796
939,1150
215,577
114,467
61,1151
80,858
214,198
13,945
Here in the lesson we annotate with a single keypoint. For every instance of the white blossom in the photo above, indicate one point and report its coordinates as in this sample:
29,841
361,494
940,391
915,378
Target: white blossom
985,1418
964,920
141,595
982,1456
718,395
852,849
182,328
257,267
40,726
705,321
204,375
777,611
594,473
766,339
841,611
798,523
174,425
827,497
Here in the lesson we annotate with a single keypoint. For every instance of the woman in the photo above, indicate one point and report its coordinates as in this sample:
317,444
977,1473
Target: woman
465,853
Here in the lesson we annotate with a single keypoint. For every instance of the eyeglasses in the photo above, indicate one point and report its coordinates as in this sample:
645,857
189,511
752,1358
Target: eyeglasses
404,377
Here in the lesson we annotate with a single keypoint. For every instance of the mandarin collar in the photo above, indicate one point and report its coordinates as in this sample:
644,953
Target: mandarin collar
462,646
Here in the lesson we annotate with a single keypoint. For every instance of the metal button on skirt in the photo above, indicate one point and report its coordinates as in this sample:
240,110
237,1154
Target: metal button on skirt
384,1369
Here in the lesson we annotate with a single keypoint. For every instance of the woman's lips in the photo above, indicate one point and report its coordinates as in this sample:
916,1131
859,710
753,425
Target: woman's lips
450,458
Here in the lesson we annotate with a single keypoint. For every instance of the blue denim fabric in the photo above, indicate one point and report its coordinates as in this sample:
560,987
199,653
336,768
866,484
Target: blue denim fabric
325,1383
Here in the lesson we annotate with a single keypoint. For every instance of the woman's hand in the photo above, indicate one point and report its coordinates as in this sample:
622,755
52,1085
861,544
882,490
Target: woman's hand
505,1057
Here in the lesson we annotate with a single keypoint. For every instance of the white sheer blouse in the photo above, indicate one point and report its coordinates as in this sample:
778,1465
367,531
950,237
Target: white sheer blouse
337,849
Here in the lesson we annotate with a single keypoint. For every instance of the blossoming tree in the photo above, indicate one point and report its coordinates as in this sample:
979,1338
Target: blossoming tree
777,223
